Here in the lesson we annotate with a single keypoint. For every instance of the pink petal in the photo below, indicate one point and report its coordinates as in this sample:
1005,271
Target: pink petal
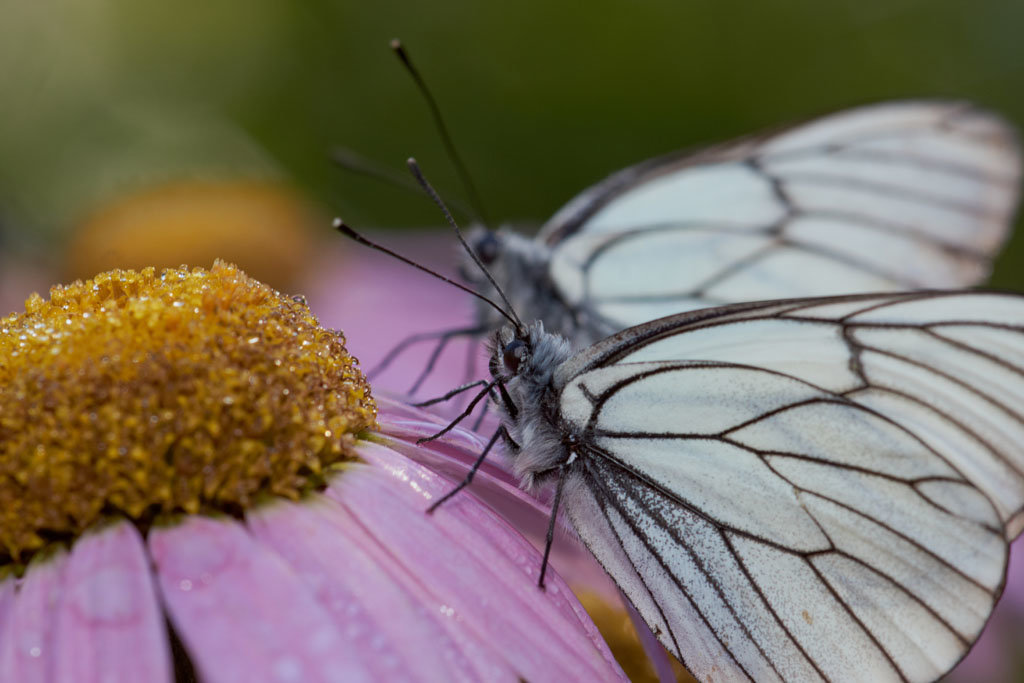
26,645
453,462
996,654
376,601
1014,591
399,409
452,454
109,626
414,303
241,612
412,428
660,659
478,566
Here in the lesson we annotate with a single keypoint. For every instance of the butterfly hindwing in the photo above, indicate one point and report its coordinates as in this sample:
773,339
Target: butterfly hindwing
820,488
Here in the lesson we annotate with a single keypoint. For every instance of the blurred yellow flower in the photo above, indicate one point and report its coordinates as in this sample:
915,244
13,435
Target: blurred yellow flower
263,226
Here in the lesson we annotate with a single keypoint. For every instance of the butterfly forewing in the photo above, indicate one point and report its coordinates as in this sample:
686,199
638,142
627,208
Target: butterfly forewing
892,196
806,489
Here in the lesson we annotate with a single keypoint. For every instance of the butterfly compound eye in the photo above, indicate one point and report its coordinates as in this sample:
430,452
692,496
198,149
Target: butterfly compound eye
514,354
487,248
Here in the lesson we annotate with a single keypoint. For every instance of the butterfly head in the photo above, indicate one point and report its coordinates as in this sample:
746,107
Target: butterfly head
528,355
487,245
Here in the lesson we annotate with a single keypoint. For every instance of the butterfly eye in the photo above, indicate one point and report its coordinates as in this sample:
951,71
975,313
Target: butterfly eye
487,248
514,354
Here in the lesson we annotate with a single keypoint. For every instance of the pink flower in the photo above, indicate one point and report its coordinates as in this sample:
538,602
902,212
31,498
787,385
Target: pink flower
356,583
288,544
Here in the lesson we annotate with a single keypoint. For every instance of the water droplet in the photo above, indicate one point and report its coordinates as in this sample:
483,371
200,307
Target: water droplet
185,585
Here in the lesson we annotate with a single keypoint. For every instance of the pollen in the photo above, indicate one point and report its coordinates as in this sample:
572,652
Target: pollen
139,394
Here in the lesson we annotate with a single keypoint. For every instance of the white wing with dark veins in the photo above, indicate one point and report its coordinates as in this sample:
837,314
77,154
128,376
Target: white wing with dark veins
811,489
900,195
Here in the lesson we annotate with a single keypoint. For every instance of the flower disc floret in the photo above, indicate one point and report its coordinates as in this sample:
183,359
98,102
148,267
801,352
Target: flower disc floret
139,393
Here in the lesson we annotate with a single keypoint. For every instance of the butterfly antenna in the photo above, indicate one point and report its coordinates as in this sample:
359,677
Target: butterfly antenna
418,174
356,163
442,129
344,229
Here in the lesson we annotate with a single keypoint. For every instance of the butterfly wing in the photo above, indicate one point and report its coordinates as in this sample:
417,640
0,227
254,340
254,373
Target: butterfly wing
805,490
888,197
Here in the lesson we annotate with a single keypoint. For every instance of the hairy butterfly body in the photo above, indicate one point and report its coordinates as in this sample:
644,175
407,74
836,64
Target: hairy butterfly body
811,489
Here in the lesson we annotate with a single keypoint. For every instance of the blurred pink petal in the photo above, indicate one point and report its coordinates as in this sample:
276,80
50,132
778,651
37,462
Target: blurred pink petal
995,656
479,568
26,646
400,302
109,626
1013,595
659,656
243,614
19,277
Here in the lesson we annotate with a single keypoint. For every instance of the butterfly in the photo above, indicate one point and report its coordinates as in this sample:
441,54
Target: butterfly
800,489
806,489
886,197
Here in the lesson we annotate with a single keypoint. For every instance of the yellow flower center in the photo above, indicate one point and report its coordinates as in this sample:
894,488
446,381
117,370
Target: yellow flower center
141,394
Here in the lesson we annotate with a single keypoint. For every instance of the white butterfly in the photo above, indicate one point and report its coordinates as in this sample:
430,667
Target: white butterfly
893,196
811,489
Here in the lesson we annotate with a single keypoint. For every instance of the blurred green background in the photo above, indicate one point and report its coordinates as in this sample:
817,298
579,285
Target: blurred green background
103,98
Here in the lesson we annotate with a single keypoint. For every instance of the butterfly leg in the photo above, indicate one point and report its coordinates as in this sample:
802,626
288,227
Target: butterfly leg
472,351
551,523
483,413
472,470
450,394
442,342
413,339
510,443
510,405
463,415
